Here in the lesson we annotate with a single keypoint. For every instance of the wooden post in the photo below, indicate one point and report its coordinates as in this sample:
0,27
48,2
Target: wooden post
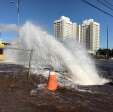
30,59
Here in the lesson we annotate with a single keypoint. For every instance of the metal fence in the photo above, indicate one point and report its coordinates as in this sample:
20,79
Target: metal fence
18,57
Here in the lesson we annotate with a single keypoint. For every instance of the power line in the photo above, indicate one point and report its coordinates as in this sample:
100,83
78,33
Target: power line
108,2
101,10
104,4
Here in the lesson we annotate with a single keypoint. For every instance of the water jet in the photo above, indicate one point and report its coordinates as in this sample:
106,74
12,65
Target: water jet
66,55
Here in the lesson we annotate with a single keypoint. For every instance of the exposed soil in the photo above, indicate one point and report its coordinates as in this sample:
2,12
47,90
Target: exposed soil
15,96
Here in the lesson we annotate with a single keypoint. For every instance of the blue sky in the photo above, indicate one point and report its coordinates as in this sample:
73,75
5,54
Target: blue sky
44,12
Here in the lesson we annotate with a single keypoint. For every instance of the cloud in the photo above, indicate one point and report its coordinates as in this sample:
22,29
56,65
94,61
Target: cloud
8,28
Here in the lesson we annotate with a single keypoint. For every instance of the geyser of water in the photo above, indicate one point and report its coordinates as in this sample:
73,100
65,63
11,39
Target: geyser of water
50,52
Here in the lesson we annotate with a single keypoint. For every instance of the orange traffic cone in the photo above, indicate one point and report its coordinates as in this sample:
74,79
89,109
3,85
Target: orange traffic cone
52,82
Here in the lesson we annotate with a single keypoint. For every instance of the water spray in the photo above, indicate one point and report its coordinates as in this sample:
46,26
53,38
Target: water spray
67,55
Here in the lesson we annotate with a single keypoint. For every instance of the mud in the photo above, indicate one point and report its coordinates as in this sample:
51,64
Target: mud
15,89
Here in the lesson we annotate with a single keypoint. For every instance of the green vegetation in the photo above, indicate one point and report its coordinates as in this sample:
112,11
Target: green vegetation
103,53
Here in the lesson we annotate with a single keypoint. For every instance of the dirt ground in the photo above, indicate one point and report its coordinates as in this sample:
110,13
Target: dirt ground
15,96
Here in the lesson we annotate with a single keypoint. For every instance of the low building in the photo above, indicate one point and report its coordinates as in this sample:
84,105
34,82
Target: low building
2,47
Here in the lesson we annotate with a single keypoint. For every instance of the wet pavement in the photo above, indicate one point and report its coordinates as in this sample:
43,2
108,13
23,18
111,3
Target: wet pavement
15,93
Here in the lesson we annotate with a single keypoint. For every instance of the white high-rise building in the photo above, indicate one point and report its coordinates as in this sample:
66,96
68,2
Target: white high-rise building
64,28
90,35
87,33
79,39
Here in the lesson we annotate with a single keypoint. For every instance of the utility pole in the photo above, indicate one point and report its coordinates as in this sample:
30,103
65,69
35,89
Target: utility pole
18,12
107,53
0,35
17,4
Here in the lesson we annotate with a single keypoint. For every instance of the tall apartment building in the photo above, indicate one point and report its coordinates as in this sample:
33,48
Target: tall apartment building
79,32
87,33
64,28
90,35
